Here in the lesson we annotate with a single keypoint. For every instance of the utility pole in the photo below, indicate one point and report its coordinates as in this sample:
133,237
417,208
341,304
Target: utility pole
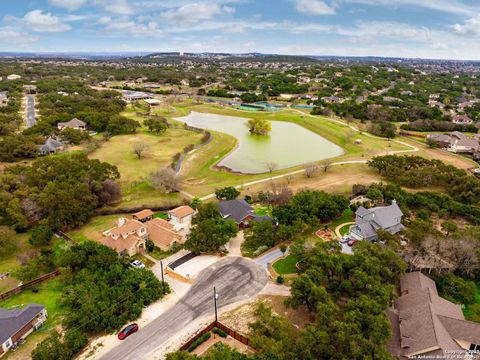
163,279
215,297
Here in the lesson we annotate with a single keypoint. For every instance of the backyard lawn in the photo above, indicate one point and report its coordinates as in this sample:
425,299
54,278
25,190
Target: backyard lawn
286,265
347,216
469,314
48,294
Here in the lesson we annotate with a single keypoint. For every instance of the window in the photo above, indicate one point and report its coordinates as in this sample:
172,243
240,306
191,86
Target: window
8,343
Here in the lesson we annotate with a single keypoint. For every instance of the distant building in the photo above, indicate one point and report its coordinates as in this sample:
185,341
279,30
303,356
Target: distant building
13,77
135,95
332,99
426,326
75,124
185,82
462,119
369,221
456,142
51,146
19,323
3,98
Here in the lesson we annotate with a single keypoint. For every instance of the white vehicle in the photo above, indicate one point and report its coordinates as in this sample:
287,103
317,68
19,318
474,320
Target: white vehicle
137,264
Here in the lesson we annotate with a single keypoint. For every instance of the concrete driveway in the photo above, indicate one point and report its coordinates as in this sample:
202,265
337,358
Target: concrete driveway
235,244
235,278
269,257
194,266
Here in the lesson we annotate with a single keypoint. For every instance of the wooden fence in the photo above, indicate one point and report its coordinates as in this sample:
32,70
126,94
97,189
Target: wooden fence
34,282
216,324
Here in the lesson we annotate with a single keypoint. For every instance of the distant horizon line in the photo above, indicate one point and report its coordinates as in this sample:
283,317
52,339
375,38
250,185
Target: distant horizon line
146,52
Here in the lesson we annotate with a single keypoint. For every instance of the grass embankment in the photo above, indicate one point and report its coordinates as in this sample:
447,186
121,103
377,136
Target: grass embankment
202,179
468,312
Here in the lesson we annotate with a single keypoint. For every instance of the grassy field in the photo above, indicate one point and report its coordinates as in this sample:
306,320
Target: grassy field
469,315
162,148
94,228
286,265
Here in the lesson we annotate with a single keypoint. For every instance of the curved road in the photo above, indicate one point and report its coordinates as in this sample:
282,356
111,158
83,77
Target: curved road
235,279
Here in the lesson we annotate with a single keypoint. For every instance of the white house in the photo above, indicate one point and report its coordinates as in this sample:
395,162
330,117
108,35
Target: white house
75,124
13,77
181,217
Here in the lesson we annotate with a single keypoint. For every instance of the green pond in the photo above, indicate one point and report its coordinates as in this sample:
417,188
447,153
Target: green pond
287,145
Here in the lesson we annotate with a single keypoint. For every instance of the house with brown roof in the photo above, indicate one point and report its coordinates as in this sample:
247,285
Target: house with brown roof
456,142
19,323
424,325
129,237
181,217
143,215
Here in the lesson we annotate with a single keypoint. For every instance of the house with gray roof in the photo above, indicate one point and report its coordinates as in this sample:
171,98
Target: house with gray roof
426,326
75,124
369,221
51,146
241,212
19,323
456,142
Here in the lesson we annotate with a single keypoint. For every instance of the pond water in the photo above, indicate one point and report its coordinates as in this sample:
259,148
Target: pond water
287,145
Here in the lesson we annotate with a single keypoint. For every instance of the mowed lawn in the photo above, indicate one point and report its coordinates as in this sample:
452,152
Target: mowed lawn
286,266
161,149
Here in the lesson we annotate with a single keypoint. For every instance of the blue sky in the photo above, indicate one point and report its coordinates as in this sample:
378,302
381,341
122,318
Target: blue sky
448,29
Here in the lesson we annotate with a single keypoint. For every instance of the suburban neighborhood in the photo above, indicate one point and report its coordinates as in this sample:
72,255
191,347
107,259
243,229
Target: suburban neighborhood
239,180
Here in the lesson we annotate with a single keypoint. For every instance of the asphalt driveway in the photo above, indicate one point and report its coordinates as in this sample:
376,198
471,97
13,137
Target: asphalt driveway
235,279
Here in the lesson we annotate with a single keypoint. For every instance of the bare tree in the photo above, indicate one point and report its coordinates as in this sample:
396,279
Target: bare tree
311,170
326,164
165,180
271,166
289,179
140,149
281,194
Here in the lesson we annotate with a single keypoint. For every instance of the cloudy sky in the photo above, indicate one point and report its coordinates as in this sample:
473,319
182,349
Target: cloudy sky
409,28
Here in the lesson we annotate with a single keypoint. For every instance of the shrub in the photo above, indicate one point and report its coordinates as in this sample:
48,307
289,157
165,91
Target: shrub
199,341
280,279
220,332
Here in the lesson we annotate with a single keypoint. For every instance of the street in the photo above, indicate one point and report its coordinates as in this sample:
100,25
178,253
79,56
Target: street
30,111
235,279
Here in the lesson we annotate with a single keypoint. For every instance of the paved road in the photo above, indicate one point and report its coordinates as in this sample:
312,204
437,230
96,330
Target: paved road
30,111
269,257
236,279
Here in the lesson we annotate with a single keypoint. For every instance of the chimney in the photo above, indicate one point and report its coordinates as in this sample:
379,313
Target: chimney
394,202
121,221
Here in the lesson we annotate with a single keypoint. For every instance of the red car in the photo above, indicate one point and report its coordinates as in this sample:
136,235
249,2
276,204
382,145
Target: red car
127,331
351,242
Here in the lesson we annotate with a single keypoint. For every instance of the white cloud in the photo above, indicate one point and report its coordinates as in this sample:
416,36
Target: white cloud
119,7
469,27
446,6
314,7
68,4
125,26
39,21
195,12
10,36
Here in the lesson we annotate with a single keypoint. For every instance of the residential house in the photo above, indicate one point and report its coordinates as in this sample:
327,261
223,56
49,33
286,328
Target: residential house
181,217
129,237
462,119
13,77
369,221
240,211
75,124
129,96
143,215
426,326
51,146
456,142
185,82
333,99
19,323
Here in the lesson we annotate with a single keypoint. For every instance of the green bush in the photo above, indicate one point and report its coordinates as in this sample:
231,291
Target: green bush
280,279
199,341
220,332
